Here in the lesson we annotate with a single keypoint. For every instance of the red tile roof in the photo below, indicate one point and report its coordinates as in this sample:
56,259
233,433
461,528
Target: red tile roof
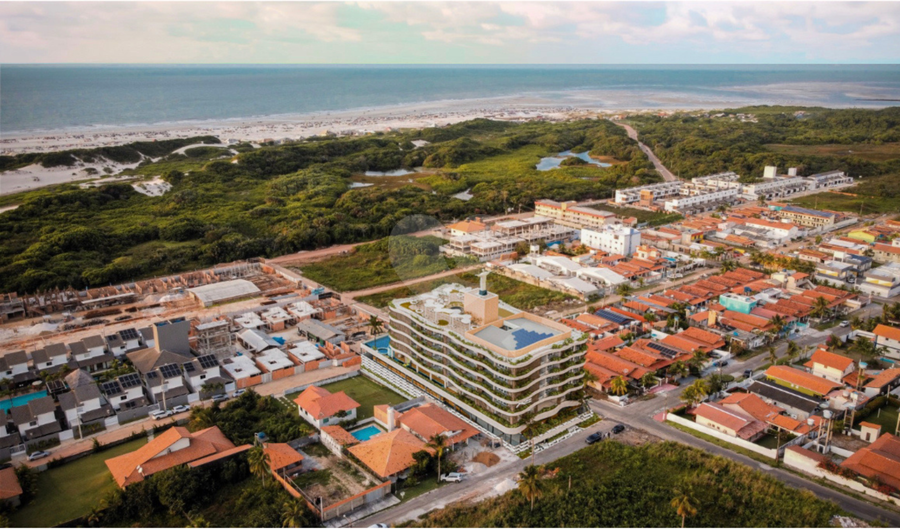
389,453
831,360
321,404
9,483
884,378
745,426
429,420
801,379
880,459
281,455
887,332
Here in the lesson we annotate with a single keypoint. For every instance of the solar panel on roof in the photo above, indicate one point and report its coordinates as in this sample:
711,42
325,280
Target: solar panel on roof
208,361
129,334
189,367
111,387
152,375
612,316
129,380
170,370
663,349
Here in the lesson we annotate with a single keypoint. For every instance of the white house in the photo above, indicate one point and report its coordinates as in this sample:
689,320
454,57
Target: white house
13,364
831,366
320,407
162,375
49,357
36,418
91,353
84,404
125,392
204,370
888,337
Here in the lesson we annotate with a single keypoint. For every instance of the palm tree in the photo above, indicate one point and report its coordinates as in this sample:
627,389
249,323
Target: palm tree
623,289
793,350
820,308
728,265
530,483
678,368
375,326
778,324
864,347
856,322
438,444
773,355
695,392
684,505
293,514
94,517
833,342
698,357
618,385
202,418
258,460
648,380
589,377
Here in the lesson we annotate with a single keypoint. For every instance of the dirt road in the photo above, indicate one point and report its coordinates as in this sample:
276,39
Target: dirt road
666,174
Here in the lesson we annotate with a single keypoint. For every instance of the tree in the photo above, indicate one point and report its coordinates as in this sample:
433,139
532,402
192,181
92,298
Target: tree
618,385
793,349
820,308
773,355
833,342
728,265
648,380
856,322
375,326
684,505
679,369
294,514
258,460
695,392
438,443
864,347
778,324
715,383
624,290
530,483
203,417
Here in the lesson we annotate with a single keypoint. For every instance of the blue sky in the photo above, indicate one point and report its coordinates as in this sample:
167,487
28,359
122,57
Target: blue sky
451,32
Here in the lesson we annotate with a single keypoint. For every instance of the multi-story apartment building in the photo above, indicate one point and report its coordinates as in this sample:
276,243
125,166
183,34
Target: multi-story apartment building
775,187
659,191
613,239
829,179
495,365
808,217
570,214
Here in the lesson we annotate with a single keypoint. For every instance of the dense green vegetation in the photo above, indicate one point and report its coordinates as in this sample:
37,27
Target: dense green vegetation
875,195
123,154
249,414
282,199
518,294
382,262
614,485
692,146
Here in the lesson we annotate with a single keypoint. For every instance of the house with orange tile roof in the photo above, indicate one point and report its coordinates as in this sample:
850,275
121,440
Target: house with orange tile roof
429,420
335,438
888,337
882,382
467,227
801,381
284,460
10,489
389,455
708,340
752,405
880,459
174,447
730,422
604,376
617,365
606,344
320,407
829,365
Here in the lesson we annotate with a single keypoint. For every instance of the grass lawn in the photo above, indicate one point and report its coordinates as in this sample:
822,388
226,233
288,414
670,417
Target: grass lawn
721,443
365,392
424,486
71,490
518,294
887,418
382,262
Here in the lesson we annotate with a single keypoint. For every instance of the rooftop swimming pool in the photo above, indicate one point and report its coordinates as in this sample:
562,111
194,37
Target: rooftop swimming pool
7,404
367,432
381,344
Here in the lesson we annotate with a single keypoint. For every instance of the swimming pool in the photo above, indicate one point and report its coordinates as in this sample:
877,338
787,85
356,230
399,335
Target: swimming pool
380,342
7,404
367,432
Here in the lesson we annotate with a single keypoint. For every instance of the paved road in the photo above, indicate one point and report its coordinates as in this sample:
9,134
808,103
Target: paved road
666,174
479,484
855,506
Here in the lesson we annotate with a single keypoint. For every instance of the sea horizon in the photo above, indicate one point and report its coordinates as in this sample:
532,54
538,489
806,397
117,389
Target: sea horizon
66,98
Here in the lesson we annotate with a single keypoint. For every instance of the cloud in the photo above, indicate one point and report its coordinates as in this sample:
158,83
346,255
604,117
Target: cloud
523,32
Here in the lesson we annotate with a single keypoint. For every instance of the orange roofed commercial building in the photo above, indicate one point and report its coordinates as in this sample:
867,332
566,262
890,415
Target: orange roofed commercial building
174,447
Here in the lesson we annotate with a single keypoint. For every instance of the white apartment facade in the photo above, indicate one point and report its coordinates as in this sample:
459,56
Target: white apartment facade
614,240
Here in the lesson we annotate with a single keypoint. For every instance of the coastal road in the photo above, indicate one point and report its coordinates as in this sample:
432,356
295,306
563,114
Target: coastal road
666,174
628,415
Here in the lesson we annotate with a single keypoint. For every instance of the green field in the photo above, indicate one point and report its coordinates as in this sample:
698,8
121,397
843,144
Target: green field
365,391
870,152
872,195
387,261
887,419
71,490
643,216
518,294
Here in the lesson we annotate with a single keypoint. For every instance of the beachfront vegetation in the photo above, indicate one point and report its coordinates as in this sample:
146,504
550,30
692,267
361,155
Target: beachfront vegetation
613,485
518,294
813,140
241,418
281,199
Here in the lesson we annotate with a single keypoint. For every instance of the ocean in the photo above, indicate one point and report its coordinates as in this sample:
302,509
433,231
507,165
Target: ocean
60,97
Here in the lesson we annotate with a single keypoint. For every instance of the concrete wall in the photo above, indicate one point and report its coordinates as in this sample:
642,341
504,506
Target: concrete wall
810,467
724,437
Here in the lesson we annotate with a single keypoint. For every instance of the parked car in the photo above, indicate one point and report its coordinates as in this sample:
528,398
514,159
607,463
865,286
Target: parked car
748,373
618,428
453,477
845,323
160,414
379,525
178,409
238,393
219,397
37,455
720,364
594,438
